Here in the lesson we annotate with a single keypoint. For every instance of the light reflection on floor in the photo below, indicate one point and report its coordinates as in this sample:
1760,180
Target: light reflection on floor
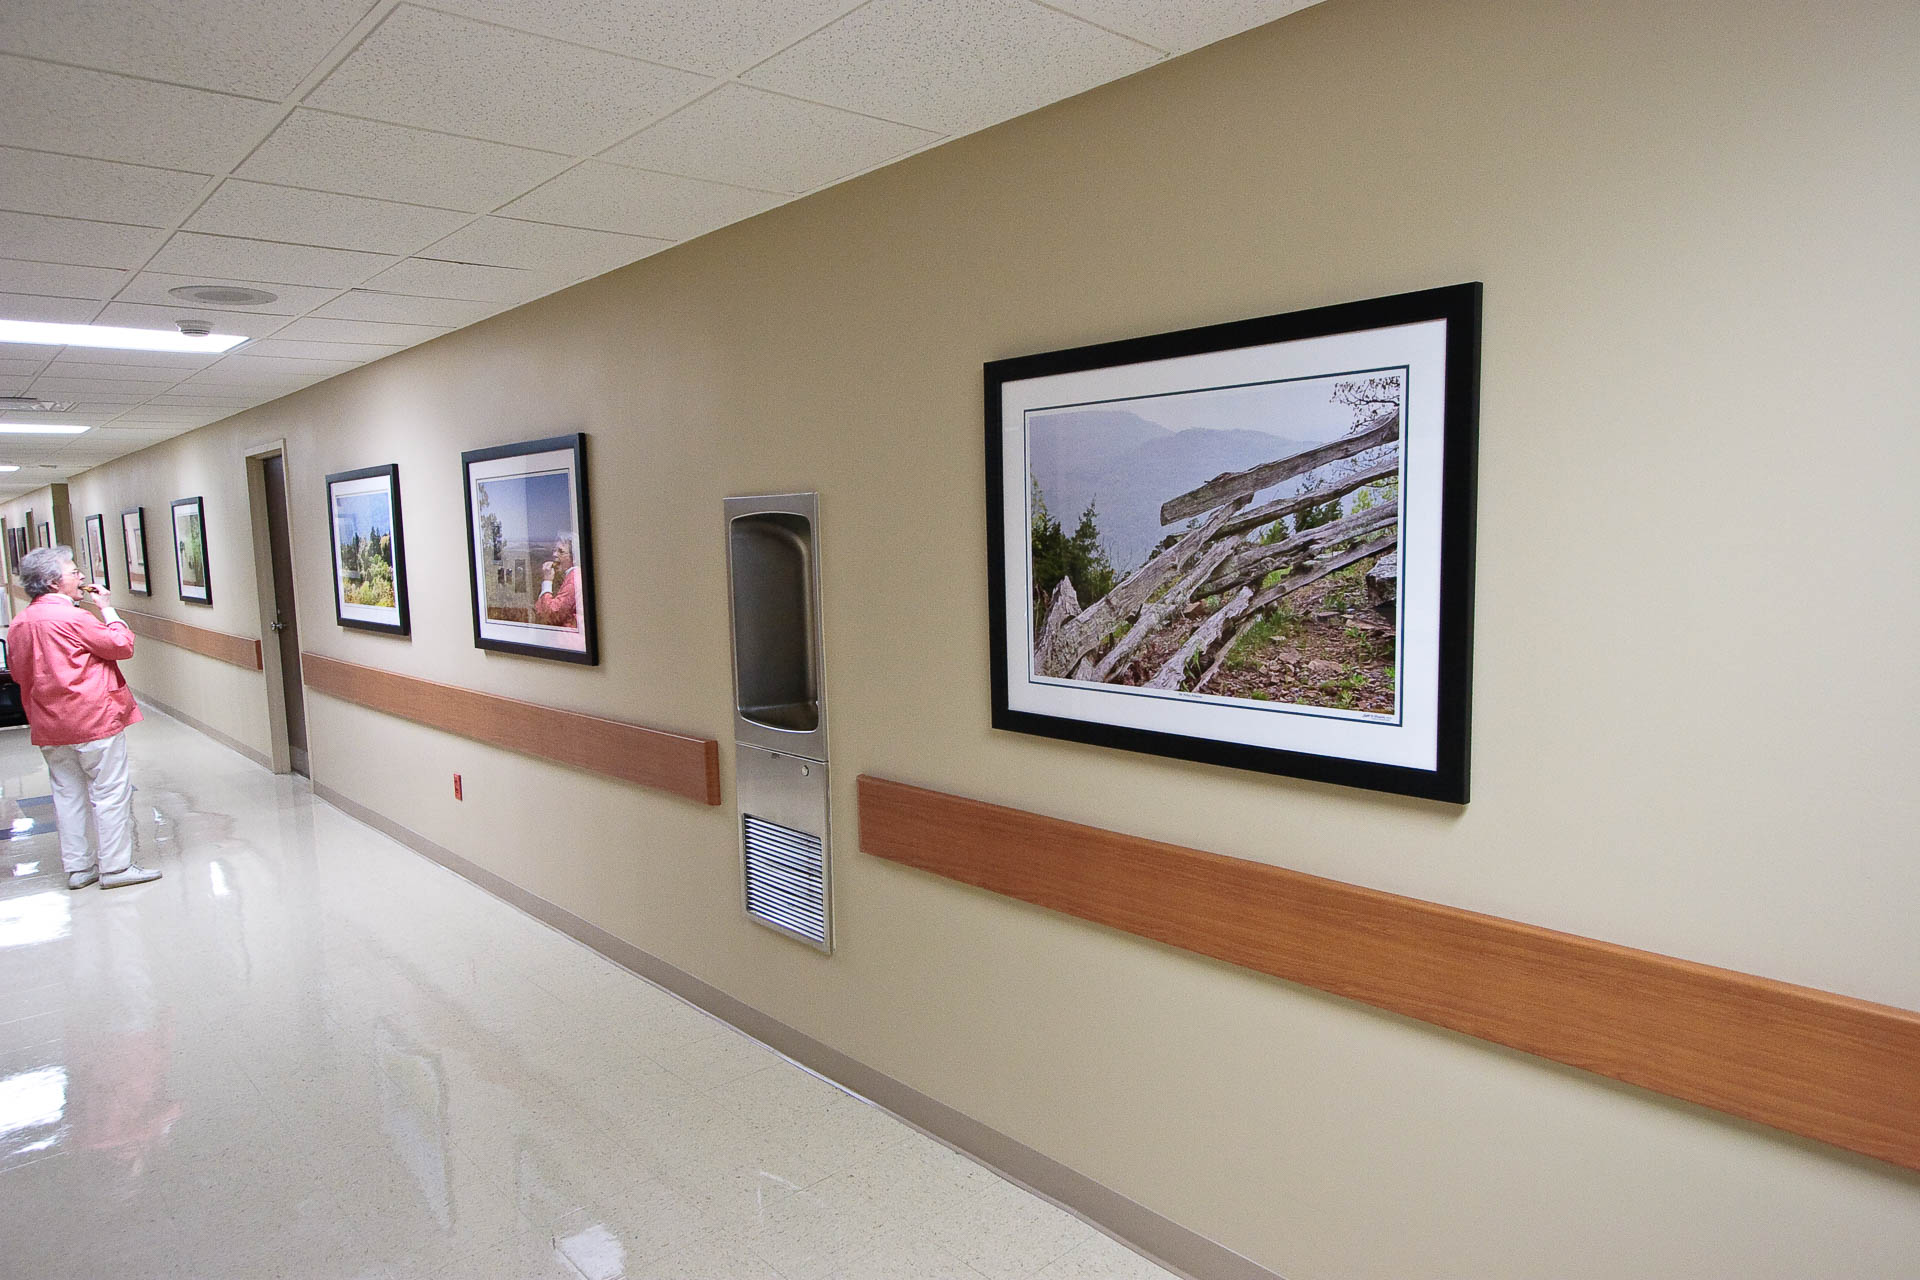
308,1052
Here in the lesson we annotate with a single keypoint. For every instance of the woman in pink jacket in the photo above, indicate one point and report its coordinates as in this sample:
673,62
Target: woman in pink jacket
64,652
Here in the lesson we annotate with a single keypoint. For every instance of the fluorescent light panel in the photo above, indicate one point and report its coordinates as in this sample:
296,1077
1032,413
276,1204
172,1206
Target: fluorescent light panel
101,335
8,466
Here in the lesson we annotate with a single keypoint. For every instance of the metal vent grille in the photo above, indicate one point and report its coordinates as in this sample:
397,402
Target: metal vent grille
786,873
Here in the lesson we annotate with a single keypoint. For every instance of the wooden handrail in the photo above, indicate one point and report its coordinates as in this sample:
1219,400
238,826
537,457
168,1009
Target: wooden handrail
241,651
671,762
1811,1062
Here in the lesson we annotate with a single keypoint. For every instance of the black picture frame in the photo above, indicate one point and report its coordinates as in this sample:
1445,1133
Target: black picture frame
200,590
133,536
366,496
1359,419
95,537
502,556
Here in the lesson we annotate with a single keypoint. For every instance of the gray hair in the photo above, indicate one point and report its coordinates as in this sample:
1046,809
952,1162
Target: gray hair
42,568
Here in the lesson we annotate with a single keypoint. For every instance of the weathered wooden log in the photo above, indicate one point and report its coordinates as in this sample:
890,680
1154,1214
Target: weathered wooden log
1268,512
1257,609
1295,581
1174,669
1383,582
1074,640
1064,606
1155,615
1375,432
1255,560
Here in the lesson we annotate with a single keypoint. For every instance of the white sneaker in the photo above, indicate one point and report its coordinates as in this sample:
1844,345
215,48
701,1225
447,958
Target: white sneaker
81,879
132,875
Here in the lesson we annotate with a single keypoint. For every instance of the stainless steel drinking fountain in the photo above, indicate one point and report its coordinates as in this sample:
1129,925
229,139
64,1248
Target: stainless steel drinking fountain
780,714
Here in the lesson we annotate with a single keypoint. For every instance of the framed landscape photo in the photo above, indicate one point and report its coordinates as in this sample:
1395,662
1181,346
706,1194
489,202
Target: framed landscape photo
529,555
133,534
97,551
369,561
190,551
1249,544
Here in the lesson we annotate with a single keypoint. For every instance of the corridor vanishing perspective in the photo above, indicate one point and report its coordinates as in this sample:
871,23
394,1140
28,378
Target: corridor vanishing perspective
310,1052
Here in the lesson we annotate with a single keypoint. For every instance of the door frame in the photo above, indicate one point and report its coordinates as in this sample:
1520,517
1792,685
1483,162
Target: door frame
264,596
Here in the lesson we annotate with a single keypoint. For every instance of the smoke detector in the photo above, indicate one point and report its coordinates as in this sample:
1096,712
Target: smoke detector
195,328
222,295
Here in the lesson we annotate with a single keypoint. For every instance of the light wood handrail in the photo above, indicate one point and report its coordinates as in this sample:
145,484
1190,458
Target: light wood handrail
241,651
1811,1062
672,762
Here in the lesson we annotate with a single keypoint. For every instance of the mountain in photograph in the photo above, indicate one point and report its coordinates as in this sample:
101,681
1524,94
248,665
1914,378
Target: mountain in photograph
1130,466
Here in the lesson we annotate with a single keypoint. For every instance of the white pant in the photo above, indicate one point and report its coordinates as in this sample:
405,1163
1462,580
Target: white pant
91,777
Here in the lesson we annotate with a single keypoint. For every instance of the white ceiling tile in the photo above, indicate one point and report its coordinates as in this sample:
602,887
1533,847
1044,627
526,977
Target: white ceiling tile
61,384
189,253
1177,26
398,308
543,247
259,47
951,65
75,241
12,367
752,138
200,398
471,281
283,367
57,281
697,34
25,306
607,197
368,158
357,352
143,315
109,117
75,187
83,389
107,358
315,329
102,371
478,80
262,212
289,299
223,377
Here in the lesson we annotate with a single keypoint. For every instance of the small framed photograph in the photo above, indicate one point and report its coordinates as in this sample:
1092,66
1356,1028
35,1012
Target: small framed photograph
529,554
133,535
97,551
46,533
190,551
28,531
369,560
1249,544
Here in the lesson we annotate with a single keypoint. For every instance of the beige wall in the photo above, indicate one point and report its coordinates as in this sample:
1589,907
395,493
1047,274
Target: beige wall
1694,726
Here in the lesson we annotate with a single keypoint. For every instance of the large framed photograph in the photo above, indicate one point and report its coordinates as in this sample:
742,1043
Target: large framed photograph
369,560
97,551
528,550
133,535
1249,544
190,551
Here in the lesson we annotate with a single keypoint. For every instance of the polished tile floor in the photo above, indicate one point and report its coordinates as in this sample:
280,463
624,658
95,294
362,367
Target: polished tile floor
309,1052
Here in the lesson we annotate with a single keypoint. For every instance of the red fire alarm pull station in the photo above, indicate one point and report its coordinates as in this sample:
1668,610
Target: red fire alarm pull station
456,788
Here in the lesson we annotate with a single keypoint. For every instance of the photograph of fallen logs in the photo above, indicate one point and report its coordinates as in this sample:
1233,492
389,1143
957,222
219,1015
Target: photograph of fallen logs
1280,585
1249,544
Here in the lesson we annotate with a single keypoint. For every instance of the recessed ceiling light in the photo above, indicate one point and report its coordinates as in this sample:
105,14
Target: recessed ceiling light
41,428
100,335
8,466
223,295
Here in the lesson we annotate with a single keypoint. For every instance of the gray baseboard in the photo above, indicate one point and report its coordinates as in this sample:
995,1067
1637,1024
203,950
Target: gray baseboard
234,744
1167,1242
